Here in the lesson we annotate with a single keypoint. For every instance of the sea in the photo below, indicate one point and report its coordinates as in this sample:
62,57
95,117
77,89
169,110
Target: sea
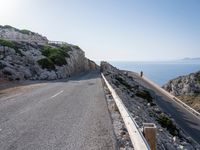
160,71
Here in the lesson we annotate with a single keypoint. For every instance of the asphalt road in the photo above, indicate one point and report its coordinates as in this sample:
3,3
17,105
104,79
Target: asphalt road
189,123
64,115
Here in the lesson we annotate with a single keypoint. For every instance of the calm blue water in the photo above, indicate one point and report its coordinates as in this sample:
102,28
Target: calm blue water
160,72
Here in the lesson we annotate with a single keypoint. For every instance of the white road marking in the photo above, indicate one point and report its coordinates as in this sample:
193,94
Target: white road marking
25,110
56,94
12,99
9,97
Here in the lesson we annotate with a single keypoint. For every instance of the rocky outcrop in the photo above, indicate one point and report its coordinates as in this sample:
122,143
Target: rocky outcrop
187,89
8,32
28,55
184,85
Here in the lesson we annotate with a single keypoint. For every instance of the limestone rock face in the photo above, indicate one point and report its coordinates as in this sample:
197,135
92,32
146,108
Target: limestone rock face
27,55
184,85
8,32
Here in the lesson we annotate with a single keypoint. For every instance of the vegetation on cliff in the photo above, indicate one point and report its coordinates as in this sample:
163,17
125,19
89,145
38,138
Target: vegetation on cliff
54,56
167,123
12,44
29,55
7,43
23,31
46,63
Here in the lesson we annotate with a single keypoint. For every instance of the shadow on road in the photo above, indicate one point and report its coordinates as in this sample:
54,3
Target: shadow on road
76,77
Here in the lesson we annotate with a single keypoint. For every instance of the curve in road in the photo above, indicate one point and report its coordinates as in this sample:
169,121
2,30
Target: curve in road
59,115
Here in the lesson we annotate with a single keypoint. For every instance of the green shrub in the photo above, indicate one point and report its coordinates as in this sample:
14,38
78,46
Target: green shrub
151,114
58,60
198,77
66,47
165,122
24,31
62,50
76,47
56,54
46,63
7,43
123,82
16,46
7,26
145,95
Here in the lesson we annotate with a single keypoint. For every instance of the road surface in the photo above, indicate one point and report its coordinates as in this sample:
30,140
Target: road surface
188,122
65,115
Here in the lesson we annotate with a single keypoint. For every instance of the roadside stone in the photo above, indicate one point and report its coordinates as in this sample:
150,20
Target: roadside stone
169,146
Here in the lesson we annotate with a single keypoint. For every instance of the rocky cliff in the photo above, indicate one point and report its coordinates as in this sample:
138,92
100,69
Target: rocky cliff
184,85
186,88
28,55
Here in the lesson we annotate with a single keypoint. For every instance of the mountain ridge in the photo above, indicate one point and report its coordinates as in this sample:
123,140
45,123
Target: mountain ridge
189,58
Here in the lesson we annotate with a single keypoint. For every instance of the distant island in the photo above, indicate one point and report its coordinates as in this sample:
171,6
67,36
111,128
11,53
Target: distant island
188,58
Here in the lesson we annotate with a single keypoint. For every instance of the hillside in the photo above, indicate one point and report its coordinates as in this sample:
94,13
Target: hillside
187,88
28,55
142,103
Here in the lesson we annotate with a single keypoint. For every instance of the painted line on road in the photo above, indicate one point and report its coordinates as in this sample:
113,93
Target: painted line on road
56,94
10,97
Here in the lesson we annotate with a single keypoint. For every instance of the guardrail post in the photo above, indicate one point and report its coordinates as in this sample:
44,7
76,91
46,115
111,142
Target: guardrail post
149,130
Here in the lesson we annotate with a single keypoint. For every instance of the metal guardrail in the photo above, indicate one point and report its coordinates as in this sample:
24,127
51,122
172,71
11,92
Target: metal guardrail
137,138
57,42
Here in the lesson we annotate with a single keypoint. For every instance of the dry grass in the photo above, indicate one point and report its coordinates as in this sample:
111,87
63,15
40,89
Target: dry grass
192,101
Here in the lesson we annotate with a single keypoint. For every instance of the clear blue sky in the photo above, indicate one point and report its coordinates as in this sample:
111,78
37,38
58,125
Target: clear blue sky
113,29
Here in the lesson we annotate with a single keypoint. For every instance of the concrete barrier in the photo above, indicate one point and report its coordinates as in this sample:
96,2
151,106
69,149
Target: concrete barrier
137,138
178,101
